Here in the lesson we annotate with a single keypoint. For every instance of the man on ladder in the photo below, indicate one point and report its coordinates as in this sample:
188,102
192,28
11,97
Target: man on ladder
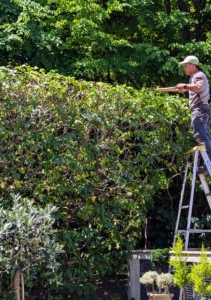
199,94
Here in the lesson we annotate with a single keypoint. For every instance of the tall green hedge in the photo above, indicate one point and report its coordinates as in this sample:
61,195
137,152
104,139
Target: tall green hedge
99,153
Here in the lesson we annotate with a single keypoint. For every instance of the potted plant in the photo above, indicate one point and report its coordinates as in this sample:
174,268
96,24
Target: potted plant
163,282
200,275
197,274
181,268
27,237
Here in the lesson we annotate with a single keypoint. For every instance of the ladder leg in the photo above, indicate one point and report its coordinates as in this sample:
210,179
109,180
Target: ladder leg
181,201
191,199
202,176
205,188
206,161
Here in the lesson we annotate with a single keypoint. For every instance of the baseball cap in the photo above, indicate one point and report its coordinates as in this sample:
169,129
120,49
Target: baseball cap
190,60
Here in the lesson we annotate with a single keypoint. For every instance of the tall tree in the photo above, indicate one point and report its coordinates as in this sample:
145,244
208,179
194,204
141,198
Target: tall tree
134,42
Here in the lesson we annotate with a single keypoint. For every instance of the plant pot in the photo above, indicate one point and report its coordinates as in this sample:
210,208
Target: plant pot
159,296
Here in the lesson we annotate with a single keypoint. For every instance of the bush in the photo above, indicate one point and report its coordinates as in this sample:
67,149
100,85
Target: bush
27,239
99,153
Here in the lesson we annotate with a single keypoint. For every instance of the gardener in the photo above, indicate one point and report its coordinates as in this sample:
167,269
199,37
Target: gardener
199,94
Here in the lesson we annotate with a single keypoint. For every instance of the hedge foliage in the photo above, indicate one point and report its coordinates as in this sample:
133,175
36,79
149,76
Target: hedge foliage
99,153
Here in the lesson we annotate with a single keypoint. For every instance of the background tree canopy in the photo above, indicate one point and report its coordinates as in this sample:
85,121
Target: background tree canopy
135,42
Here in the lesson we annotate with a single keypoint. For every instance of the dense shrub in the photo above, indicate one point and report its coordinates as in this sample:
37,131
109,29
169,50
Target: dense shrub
99,153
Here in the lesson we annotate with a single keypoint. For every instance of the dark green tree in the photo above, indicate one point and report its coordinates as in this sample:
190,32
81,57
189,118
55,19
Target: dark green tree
137,43
27,237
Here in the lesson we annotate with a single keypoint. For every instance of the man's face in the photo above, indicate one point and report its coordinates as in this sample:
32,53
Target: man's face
189,69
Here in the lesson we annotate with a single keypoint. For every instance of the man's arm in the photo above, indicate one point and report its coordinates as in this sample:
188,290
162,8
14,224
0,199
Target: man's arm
183,87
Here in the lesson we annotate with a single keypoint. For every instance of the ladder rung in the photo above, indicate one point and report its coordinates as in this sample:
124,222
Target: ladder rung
199,230
184,206
208,194
194,230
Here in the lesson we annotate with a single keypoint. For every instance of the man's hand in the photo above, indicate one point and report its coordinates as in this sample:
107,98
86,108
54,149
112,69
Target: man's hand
180,87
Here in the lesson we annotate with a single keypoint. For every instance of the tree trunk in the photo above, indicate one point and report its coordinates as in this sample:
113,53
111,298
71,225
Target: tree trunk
16,284
168,7
22,287
183,293
146,241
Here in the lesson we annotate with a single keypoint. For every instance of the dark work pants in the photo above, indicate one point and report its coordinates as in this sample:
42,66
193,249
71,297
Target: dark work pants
200,119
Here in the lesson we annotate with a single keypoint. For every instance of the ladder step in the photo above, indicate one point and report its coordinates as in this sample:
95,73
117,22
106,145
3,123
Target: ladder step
194,230
206,161
208,194
184,206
